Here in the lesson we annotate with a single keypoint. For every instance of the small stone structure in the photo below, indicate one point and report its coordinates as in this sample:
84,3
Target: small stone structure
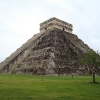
53,51
56,23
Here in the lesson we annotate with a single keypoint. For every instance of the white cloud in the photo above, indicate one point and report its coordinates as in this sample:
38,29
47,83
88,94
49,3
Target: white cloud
20,19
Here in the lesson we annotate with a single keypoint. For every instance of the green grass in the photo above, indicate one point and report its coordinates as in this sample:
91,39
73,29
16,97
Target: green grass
25,87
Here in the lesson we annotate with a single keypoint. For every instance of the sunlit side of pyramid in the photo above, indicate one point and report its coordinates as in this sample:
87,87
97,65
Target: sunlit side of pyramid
53,51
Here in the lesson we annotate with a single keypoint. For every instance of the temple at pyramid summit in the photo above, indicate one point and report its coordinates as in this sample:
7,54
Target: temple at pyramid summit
53,51
55,23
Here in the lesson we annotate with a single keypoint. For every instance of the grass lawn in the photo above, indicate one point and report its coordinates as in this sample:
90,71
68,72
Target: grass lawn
26,87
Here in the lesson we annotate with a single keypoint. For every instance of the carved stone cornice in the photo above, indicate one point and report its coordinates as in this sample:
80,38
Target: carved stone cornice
57,23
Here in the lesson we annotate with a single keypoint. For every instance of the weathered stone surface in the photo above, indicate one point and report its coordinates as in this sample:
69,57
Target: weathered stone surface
54,51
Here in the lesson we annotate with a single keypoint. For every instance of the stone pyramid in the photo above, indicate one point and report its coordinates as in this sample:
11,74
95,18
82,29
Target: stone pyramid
54,50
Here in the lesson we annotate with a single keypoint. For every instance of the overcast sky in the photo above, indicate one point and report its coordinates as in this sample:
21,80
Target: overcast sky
20,20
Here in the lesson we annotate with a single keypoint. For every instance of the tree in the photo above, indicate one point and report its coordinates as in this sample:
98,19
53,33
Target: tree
92,60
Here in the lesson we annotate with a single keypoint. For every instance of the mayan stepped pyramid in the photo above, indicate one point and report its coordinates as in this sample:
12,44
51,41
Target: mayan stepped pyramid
53,51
